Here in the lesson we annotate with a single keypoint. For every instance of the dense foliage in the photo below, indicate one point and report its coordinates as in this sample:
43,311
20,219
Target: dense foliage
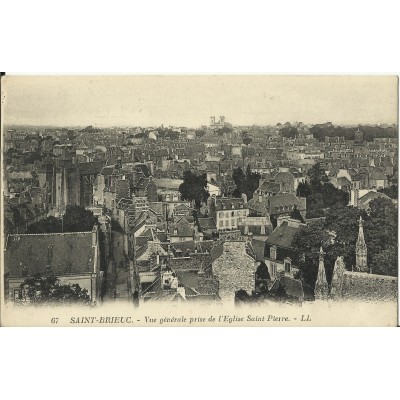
320,194
75,219
320,131
194,188
338,233
246,182
48,289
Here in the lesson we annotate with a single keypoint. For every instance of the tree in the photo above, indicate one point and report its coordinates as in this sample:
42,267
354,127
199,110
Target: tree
247,140
317,175
295,214
385,262
380,231
391,191
75,219
343,222
320,193
332,196
246,183
307,243
194,188
289,132
78,219
48,289
262,271
200,133
303,189
47,225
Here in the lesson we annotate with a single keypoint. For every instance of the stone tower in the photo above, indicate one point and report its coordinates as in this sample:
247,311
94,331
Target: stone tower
358,135
321,290
337,278
361,249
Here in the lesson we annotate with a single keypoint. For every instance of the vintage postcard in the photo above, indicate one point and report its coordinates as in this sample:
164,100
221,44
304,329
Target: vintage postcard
199,200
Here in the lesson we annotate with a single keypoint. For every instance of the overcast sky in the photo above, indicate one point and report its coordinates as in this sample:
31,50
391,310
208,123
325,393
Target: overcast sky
191,100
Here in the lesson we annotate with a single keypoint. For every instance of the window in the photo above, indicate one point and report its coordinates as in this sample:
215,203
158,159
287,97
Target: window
273,269
227,223
273,252
287,267
233,213
17,294
221,223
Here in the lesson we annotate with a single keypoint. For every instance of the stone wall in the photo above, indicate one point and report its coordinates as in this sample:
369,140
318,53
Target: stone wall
368,287
235,270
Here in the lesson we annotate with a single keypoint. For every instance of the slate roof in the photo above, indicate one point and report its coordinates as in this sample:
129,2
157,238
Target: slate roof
207,223
368,197
142,183
217,251
228,203
167,183
183,227
285,201
284,177
283,235
157,207
90,168
377,174
270,187
66,253
184,247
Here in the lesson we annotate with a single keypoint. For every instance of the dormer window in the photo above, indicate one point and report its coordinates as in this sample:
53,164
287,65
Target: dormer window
241,205
273,252
232,205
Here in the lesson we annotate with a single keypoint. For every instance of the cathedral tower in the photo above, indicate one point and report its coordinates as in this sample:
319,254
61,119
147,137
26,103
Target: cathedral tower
361,249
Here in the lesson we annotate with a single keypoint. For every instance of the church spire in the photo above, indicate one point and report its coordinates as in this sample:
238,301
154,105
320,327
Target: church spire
321,285
361,249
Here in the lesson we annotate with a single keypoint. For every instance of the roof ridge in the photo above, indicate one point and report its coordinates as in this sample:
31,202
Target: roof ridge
47,234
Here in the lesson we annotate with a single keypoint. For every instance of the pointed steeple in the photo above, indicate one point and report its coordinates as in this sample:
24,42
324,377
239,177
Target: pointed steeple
361,249
321,290
337,278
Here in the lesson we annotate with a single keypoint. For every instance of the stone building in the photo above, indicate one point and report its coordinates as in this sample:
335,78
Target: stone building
227,211
279,255
234,267
73,257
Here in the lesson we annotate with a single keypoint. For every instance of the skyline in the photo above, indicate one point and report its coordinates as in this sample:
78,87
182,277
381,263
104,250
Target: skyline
188,100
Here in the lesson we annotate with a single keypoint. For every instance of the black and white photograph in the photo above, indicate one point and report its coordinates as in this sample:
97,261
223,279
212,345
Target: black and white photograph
200,200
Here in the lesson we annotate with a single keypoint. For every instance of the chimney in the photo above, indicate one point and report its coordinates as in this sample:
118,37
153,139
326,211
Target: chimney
94,236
